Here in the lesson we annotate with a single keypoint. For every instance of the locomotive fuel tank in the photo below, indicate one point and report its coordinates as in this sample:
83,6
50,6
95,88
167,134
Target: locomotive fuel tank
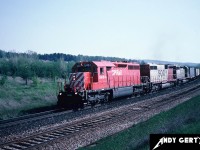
123,91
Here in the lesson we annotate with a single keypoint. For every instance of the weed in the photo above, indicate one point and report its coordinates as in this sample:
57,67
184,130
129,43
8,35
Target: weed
16,98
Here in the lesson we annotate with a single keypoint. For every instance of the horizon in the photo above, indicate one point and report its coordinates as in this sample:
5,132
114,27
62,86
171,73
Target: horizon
27,52
164,30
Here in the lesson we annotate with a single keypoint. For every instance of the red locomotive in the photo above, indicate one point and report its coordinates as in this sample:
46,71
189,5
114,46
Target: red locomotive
103,75
101,81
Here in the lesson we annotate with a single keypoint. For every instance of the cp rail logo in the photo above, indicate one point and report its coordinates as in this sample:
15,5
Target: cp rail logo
172,141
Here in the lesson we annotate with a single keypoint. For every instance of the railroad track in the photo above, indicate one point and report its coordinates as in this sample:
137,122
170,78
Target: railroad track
30,117
64,131
52,113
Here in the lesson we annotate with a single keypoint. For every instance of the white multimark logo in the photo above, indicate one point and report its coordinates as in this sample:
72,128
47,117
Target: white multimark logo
165,140
116,72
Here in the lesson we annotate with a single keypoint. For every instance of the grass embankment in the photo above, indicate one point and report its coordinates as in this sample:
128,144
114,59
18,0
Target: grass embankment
184,118
16,97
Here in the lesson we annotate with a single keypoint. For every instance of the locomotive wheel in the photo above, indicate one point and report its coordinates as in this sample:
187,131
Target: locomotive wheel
106,98
75,109
81,106
92,104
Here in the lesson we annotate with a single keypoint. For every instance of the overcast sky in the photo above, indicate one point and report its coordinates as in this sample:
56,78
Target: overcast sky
136,29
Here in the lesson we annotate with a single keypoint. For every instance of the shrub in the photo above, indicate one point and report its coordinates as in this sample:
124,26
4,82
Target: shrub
35,81
3,80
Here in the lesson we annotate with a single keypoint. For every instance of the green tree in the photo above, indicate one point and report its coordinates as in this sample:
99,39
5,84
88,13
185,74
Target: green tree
24,69
4,66
3,80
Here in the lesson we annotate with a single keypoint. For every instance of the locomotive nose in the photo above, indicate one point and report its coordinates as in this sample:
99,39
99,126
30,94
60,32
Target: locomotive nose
77,81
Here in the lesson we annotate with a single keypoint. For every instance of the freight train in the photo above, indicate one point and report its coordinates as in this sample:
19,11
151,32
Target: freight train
96,82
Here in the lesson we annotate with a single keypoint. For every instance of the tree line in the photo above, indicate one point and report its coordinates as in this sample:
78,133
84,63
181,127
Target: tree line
65,57
68,57
31,65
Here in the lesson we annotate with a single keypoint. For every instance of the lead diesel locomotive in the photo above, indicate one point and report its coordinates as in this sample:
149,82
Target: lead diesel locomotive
101,81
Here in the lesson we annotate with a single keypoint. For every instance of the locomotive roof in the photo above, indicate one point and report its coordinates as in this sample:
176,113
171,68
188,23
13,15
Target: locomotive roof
106,63
127,63
111,64
103,63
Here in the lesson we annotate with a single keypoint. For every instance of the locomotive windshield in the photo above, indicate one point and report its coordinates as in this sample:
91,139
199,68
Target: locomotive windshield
85,67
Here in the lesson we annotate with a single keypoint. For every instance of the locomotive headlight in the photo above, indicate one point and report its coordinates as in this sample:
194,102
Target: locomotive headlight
74,78
60,93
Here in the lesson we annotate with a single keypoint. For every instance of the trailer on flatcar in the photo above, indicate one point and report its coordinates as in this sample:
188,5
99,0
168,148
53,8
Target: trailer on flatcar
192,72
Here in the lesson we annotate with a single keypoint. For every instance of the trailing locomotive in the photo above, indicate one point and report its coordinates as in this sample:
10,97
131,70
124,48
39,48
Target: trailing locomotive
101,81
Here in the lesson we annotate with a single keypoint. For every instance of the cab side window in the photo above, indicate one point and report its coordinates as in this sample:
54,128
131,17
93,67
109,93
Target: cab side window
101,71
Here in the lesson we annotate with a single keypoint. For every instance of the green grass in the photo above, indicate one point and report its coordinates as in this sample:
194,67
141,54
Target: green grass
184,118
16,97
